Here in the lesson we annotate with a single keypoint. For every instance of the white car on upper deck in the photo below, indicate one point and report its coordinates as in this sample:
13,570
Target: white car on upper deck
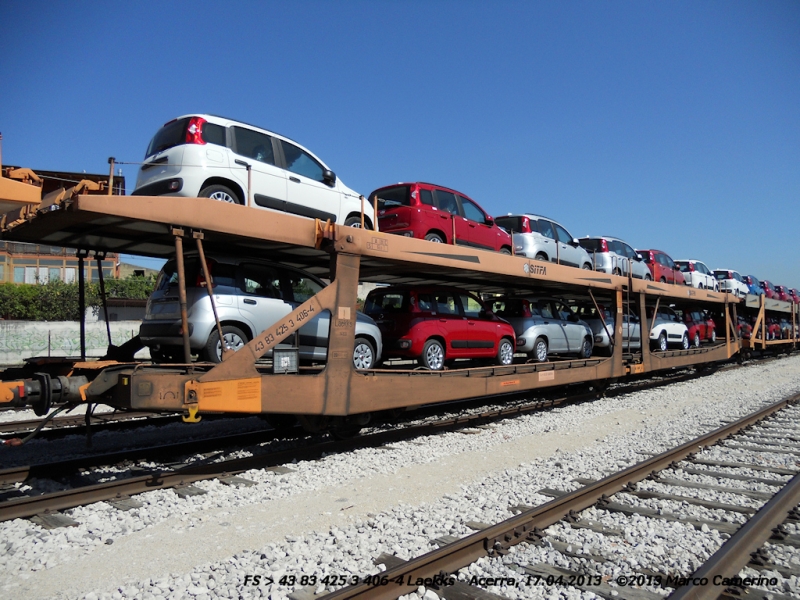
207,156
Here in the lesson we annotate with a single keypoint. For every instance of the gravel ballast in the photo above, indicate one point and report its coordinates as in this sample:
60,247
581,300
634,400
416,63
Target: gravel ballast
335,515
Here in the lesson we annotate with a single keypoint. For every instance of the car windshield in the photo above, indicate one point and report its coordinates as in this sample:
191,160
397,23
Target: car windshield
684,267
510,223
171,134
390,197
386,302
591,244
721,275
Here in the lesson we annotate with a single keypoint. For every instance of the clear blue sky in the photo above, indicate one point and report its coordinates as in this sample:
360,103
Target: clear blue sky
674,125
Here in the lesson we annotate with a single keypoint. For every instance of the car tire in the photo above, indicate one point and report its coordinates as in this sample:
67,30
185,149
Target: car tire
587,266
235,339
505,250
434,237
539,353
221,193
685,341
505,352
363,354
661,343
617,272
648,278
432,355
586,348
713,336
355,222
662,280
540,256
696,340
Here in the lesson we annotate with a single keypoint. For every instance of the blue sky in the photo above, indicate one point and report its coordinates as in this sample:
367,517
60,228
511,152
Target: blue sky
672,125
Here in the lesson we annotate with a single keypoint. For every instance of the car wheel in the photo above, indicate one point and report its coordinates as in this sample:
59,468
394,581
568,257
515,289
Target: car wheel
685,341
586,348
363,354
432,355
587,266
355,222
219,192
434,237
696,340
505,352
648,278
235,339
540,256
663,280
661,344
539,350
617,272
713,336
505,250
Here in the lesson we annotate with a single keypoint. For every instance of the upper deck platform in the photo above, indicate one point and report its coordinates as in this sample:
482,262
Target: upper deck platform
143,225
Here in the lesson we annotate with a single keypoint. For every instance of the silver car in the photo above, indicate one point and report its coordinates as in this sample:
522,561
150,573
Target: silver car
631,330
545,326
544,239
250,295
612,255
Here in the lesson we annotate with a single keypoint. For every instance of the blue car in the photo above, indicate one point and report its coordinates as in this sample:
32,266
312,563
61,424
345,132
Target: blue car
753,285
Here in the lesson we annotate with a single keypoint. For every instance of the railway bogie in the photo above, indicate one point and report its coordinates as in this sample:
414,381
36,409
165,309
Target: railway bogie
336,392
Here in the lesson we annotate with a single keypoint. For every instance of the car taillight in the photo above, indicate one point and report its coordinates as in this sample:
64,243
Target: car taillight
194,132
526,225
650,257
201,278
603,246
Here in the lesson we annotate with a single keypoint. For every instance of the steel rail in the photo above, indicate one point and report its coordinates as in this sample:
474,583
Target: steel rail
29,506
497,538
734,554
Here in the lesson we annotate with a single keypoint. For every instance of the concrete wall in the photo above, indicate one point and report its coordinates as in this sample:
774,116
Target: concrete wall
23,339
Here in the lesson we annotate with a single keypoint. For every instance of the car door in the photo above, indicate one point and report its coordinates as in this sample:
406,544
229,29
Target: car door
573,331
669,268
268,181
480,234
309,194
260,299
631,331
556,332
450,217
567,253
452,324
548,239
482,331
638,267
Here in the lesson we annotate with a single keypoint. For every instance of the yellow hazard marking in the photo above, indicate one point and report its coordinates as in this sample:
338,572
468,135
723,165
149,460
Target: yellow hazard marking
192,417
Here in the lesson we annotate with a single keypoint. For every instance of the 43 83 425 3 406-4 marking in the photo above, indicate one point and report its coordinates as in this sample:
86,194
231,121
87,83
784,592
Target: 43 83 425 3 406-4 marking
282,330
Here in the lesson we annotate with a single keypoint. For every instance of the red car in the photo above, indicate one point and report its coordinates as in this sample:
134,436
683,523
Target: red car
435,324
743,329
794,295
768,288
772,327
782,293
663,267
700,327
434,213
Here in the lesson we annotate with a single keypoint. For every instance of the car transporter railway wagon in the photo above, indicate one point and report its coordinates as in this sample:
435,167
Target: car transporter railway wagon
335,396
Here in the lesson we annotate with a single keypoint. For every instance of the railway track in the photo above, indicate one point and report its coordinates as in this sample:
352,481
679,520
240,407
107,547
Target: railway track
504,546
211,468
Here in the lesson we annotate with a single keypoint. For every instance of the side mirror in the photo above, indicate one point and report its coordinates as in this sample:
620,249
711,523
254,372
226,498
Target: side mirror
329,177
489,221
573,318
639,257
575,242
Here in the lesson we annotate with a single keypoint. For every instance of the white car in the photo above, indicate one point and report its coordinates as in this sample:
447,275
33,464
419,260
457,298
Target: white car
209,157
697,274
666,329
731,282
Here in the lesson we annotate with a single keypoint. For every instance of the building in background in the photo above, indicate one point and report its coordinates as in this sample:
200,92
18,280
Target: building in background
37,263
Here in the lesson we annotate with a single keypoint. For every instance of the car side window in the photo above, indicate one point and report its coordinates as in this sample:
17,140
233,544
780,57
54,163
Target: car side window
564,312
472,308
447,202
471,211
563,235
301,162
253,144
446,304
261,280
546,309
546,228
426,197
426,303
213,134
627,251
302,287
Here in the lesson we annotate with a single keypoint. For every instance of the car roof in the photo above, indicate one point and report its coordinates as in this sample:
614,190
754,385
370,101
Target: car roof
419,288
535,216
435,185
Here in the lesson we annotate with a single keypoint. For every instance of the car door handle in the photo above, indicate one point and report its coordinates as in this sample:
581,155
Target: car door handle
443,320
295,179
250,301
